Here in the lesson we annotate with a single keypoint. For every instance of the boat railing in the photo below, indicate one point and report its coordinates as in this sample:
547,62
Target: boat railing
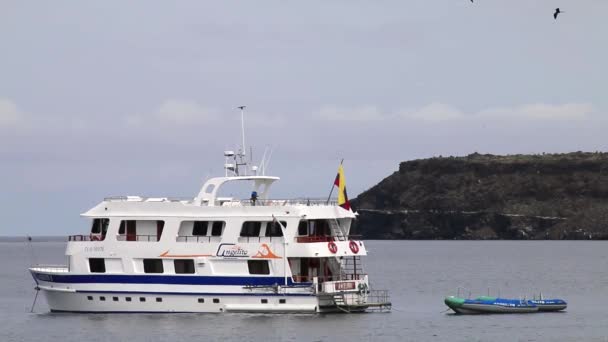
466,291
128,237
51,268
197,238
224,202
254,239
328,279
353,276
309,239
378,300
90,237
324,238
343,277
283,202
146,199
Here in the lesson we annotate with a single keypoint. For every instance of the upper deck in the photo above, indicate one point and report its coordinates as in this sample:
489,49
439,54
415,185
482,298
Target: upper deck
135,206
208,203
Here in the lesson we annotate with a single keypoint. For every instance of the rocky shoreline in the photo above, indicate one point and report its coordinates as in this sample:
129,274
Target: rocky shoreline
548,196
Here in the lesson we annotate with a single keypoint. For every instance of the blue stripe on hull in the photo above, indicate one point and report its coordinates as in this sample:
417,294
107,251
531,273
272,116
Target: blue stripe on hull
163,279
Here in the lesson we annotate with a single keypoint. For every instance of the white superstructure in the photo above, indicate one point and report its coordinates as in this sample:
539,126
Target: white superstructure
213,254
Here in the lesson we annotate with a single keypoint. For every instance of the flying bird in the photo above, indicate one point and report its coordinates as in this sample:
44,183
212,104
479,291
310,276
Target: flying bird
557,11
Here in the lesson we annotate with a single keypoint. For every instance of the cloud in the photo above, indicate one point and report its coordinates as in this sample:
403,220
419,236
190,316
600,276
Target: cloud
174,112
9,113
438,112
542,111
364,113
434,112
185,112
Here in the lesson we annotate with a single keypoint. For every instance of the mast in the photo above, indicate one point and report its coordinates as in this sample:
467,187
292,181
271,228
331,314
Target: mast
243,148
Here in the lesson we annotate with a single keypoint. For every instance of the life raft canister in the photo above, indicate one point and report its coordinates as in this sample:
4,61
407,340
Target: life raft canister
333,248
354,247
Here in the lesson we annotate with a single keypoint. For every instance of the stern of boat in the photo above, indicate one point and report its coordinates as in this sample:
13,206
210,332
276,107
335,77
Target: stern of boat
353,295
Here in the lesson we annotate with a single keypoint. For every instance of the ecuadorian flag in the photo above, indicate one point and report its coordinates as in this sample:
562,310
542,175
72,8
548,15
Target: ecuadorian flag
340,182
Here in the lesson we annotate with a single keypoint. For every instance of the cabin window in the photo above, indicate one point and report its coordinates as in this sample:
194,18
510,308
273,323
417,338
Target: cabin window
251,228
153,266
216,300
159,299
160,225
258,266
90,297
142,299
126,225
201,300
274,228
184,266
200,228
264,301
140,230
128,299
217,228
319,228
303,228
97,265
282,301
100,226
102,298
115,299
197,229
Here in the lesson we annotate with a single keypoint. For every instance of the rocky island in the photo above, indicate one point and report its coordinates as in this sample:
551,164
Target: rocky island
547,196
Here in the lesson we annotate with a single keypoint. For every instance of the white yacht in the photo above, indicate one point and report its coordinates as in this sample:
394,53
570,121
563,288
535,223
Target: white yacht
214,254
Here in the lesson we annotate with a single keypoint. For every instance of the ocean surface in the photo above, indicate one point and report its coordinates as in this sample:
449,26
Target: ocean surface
418,274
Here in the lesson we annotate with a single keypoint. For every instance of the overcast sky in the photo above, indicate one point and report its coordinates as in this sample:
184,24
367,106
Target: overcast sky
103,98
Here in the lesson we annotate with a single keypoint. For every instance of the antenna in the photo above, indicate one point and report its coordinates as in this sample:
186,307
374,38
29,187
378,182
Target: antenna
242,108
268,160
262,166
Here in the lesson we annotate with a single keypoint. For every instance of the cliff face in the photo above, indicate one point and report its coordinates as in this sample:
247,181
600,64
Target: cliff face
552,196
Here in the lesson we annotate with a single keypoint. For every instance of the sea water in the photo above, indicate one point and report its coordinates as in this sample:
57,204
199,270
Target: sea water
418,274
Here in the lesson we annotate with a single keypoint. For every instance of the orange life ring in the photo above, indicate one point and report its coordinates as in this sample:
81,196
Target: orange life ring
354,247
333,248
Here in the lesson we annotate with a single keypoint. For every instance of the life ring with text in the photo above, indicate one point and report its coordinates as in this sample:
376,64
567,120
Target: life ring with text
354,247
333,248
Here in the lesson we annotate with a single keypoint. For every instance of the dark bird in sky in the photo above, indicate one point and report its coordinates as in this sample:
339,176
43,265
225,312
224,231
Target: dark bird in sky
557,11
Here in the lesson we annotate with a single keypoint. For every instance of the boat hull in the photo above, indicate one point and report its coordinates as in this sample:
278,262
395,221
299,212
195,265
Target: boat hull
472,309
489,305
118,302
549,305
150,295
